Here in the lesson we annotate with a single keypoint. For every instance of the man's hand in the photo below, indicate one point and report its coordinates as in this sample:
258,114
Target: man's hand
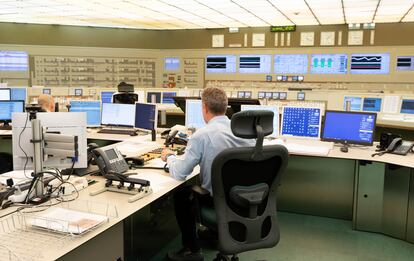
165,153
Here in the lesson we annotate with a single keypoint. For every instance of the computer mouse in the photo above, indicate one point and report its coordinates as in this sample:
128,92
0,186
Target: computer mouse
344,149
133,133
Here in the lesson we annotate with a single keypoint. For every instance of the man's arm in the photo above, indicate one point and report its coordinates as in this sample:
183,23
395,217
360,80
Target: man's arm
180,168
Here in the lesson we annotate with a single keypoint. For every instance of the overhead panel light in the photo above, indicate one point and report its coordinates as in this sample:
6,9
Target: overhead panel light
233,30
354,26
368,26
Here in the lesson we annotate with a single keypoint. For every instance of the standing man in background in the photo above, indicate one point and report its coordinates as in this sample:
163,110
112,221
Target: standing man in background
47,102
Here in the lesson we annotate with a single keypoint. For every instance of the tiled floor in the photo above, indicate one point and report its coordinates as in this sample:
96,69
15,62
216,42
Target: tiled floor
316,238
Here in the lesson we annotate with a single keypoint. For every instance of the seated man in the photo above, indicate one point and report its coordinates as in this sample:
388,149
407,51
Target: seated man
46,102
201,150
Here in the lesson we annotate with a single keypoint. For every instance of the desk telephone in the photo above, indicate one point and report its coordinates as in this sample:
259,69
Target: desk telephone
110,160
397,146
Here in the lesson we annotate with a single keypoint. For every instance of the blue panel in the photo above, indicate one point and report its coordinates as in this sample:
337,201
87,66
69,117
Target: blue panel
145,116
407,106
92,109
372,104
301,122
8,107
355,103
18,94
106,97
359,127
167,97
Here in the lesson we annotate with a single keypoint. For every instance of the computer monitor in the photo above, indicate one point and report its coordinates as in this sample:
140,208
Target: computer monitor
153,97
301,122
360,127
274,109
118,114
106,97
7,108
47,91
275,95
352,103
78,92
92,110
407,106
261,95
18,93
301,96
5,94
193,114
372,104
66,123
240,94
167,97
146,116
283,95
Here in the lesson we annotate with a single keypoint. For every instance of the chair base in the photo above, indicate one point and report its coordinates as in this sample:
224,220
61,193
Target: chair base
221,257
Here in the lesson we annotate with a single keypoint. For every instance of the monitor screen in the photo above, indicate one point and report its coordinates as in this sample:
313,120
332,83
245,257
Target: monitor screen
274,109
370,63
221,64
352,103
269,95
329,63
106,97
153,97
301,96
14,61
47,91
275,95
146,116
291,64
255,63
5,95
193,114
407,106
118,114
301,122
167,97
405,63
283,95
18,94
248,95
78,92
171,64
92,109
359,129
372,104
240,94
8,107
261,95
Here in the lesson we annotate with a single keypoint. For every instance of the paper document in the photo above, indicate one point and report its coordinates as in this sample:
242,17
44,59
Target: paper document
391,104
313,150
157,180
67,220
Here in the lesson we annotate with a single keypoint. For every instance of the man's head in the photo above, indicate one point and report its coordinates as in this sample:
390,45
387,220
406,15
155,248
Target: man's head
46,102
214,102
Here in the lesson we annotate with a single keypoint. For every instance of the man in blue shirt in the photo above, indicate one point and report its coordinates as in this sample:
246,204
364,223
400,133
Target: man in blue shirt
201,150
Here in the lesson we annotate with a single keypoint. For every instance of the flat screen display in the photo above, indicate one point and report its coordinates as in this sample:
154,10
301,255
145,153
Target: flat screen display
5,94
352,103
92,110
145,116
291,64
167,97
329,63
7,108
359,129
171,64
301,122
194,114
106,97
405,63
254,63
17,93
14,61
153,97
118,114
407,106
372,104
378,63
221,64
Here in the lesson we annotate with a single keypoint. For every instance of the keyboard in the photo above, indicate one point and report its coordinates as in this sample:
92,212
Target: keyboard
313,150
118,131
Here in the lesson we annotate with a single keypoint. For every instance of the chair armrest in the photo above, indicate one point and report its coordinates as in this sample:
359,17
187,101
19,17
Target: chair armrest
200,191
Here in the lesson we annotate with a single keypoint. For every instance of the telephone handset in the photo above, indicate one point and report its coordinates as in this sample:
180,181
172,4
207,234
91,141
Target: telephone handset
110,160
397,146
170,138
400,146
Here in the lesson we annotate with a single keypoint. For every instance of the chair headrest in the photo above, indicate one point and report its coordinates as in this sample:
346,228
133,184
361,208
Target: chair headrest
243,124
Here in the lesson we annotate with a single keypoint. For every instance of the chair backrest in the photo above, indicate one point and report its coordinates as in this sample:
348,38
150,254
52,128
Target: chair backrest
125,97
245,182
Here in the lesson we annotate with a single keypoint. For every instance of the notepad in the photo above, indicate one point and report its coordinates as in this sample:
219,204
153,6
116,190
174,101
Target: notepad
67,220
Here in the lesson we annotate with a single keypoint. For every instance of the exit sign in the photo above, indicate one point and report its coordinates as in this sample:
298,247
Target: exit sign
285,28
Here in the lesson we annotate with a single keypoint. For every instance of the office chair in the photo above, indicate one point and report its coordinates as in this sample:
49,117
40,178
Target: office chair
245,182
125,97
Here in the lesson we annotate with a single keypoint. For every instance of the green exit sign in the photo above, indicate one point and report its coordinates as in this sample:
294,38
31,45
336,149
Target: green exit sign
285,28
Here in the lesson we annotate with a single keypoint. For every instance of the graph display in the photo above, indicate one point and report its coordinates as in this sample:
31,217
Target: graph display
329,63
254,63
301,122
14,61
405,63
372,104
370,63
221,64
291,63
171,64
352,103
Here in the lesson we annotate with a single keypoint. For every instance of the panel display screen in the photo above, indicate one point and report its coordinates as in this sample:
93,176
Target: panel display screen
255,63
167,97
407,106
221,64
106,97
14,61
359,127
153,97
92,109
301,122
352,103
405,63
8,107
5,94
145,116
372,104
194,114
370,63
118,114
18,94
291,64
171,64
329,63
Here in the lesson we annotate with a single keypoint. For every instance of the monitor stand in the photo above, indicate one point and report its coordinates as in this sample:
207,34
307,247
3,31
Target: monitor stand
345,147
5,126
